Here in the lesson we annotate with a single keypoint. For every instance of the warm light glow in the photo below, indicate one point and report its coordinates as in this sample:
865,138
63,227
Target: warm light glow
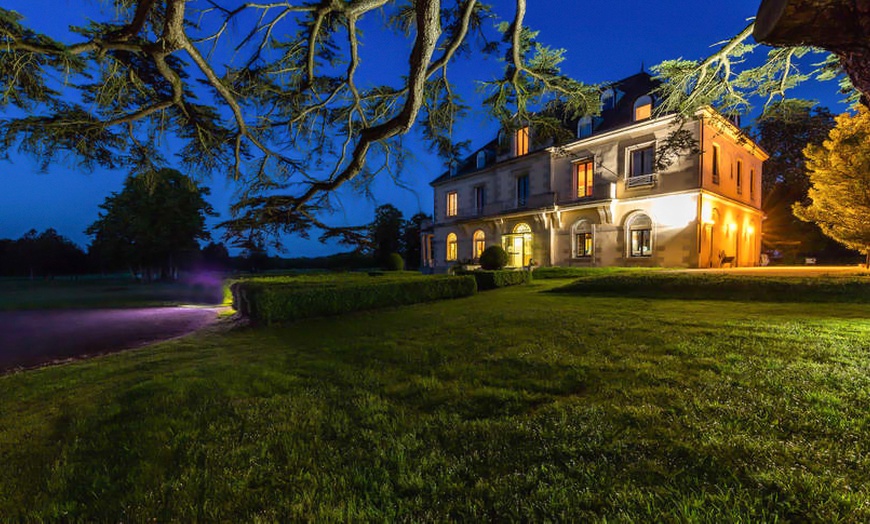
643,112
675,210
750,230
452,204
732,226
452,247
522,141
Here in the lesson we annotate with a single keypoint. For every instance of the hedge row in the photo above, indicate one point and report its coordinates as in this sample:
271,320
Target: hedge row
723,287
494,279
275,302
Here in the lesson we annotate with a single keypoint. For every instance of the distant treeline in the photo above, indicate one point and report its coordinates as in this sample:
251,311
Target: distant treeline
49,254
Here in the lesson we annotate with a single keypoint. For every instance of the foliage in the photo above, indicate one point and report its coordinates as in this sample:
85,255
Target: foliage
385,233
395,262
839,172
271,302
43,254
493,258
658,284
512,405
216,256
487,280
560,272
269,94
154,221
411,239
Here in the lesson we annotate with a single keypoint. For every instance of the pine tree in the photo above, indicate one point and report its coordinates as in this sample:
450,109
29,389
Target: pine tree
839,172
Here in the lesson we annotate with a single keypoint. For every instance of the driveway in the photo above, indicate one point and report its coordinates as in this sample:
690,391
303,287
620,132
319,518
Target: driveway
33,338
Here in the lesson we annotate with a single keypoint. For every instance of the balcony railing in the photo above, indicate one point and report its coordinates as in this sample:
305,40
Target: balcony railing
640,180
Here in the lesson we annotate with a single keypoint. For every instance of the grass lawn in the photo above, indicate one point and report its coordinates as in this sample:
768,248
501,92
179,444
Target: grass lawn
510,405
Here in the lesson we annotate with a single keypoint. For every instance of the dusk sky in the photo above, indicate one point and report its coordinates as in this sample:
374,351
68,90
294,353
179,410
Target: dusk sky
605,41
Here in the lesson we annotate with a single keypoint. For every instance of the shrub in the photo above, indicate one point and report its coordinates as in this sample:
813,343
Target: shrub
276,302
493,258
495,279
394,262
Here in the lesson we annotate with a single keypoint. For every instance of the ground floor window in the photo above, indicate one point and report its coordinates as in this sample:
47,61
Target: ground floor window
452,247
518,245
640,235
583,245
479,243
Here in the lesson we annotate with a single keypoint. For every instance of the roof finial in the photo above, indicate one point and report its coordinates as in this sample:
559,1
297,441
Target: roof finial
642,67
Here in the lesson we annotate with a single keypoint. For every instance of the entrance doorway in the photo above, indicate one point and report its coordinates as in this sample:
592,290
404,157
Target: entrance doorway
518,245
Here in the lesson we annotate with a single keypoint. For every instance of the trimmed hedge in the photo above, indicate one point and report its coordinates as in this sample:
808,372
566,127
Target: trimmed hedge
495,279
276,302
723,287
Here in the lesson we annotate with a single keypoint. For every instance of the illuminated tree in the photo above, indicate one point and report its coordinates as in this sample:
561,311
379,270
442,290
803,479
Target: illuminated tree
840,183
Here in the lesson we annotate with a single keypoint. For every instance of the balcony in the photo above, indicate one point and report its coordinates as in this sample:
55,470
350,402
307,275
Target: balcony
640,180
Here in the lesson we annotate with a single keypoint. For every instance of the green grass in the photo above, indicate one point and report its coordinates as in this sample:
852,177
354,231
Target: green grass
16,294
510,405
560,272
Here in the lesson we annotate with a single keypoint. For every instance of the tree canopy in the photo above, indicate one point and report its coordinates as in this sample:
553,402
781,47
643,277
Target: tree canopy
152,223
839,172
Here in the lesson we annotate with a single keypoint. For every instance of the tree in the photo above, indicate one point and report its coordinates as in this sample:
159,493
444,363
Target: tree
152,224
385,233
840,183
42,254
215,256
411,239
277,105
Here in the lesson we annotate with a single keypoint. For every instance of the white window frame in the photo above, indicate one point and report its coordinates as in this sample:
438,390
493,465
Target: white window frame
629,222
452,207
582,226
640,180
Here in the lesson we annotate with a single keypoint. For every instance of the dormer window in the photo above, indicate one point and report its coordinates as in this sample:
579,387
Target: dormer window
584,127
521,141
643,108
607,99
481,159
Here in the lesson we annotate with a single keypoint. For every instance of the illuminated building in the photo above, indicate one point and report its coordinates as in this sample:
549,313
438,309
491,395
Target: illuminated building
598,200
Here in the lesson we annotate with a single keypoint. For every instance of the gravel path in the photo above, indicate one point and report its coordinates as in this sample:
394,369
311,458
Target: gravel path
34,338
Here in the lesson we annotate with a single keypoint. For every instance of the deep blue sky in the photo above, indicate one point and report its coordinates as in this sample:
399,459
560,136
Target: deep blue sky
605,41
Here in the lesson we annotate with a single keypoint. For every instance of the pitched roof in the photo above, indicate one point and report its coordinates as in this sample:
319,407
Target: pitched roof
619,112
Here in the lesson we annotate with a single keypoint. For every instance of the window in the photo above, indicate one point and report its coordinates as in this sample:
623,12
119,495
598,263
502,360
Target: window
583,178
608,98
643,108
751,184
584,127
739,177
640,236
479,199
452,247
522,141
518,245
452,204
582,239
479,243
715,168
481,159
642,161
522,190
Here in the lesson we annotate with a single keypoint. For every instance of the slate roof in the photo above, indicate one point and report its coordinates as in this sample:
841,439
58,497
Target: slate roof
615,115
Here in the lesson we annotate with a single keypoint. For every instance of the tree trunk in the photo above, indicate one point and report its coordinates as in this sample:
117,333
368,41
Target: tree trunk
840,26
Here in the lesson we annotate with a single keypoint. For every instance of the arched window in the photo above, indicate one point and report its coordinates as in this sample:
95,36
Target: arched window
583,241
643,108
522,227
639,235
584,127
479,243
452,247
481,159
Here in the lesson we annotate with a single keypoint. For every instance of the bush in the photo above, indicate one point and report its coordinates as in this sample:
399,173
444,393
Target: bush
271,302
493,258
495,279
722,287
394,262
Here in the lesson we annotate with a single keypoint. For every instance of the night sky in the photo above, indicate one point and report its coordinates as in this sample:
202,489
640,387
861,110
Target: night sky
605,41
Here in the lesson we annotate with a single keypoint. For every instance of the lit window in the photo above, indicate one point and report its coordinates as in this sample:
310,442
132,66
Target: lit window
739,177
452,247
583,177
582,239
642,161
522,190
479,243
584,127
452,204
481,159
643,108
479,199
640,236
522,141
715,168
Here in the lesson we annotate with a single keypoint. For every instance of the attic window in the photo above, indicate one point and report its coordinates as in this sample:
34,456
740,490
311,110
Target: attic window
521,141
584,127
643,108
481,159
607,98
